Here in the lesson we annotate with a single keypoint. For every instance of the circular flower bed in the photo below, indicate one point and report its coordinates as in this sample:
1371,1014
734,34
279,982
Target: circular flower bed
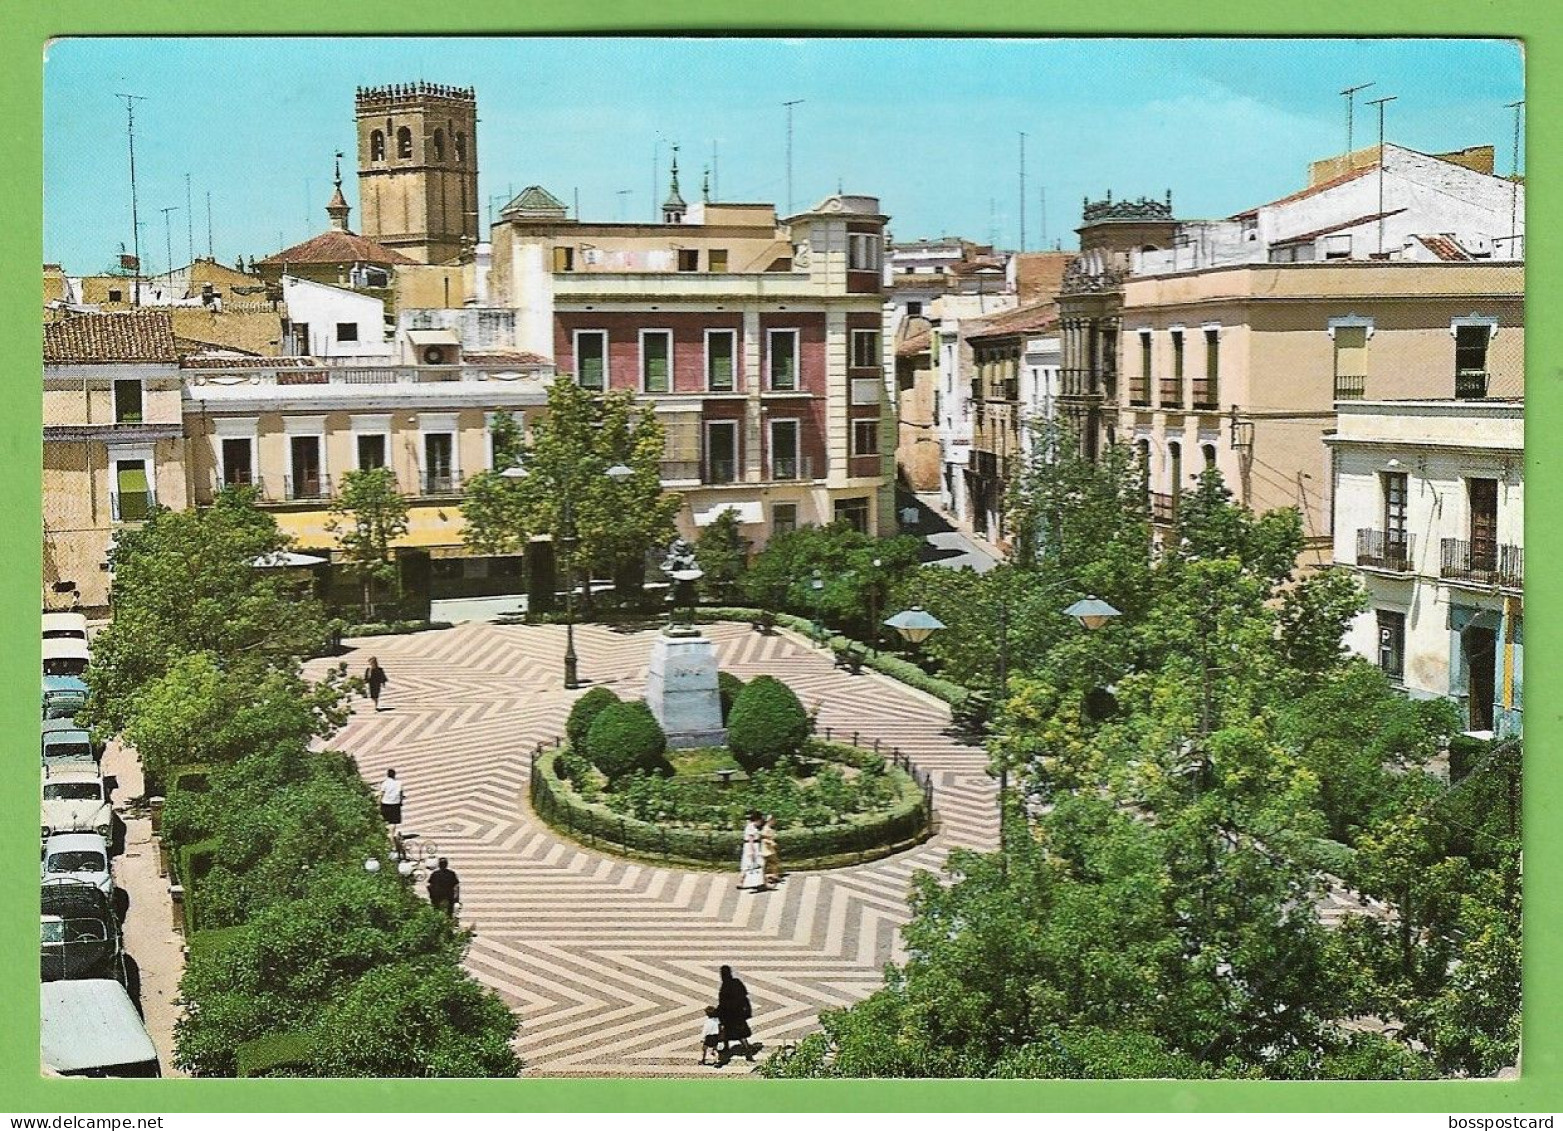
833,805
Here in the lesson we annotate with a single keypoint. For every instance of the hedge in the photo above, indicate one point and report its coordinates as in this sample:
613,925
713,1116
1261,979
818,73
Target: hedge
205,945
624,737
277,1054
867,837
893,666
192,862
767,724
393,628
585,710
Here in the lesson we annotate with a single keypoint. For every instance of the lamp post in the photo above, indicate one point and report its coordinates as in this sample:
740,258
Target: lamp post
873,607
567,543
818,585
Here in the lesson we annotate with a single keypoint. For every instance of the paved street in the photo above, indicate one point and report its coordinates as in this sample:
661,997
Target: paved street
609,964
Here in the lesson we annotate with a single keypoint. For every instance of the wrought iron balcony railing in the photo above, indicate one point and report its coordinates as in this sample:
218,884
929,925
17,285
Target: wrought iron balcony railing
1392,550
1483,562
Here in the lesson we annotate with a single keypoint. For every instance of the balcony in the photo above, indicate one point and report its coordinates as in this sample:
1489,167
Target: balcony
1350,388
1391,551
441,483
310,488
793,467
719,471
1499,565
1163,507
680,470
1171,392
1207,395
1470,384
130,506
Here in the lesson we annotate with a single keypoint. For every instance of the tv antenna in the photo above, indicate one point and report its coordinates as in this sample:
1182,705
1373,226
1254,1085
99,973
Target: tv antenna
135,223
1350,95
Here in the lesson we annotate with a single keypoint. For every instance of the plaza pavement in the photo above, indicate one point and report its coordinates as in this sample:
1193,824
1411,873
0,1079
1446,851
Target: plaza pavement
609,964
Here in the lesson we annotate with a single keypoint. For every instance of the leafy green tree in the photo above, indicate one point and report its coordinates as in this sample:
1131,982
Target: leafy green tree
767,724
415,1018
781,576
566,460
185,582
368,516
583,712
625,737
722,553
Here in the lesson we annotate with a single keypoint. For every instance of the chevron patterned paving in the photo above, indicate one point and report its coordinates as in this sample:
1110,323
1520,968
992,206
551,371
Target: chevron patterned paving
609,964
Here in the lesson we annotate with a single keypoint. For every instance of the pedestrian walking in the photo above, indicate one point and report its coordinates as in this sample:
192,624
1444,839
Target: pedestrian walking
376,679
751,864
733,1011
445,888
711,1036
770,855
391,799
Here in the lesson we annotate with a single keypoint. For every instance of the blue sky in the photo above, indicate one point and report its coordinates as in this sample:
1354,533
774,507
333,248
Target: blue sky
928,125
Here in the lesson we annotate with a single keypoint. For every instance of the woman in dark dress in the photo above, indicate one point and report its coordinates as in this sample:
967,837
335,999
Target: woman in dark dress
376,679
734,1010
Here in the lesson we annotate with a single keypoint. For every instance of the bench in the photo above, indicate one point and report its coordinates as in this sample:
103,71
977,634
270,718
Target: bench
764,624
850,659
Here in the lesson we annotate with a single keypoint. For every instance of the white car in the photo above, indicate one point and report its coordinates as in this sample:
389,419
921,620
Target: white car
82,857
65,655
64,626
76,801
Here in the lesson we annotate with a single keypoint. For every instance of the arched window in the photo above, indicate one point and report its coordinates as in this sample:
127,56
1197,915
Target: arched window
404,143
1209,452
461,148
439,145
1142,453
377,146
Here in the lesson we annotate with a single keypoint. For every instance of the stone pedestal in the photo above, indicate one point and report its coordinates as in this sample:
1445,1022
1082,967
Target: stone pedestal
681,690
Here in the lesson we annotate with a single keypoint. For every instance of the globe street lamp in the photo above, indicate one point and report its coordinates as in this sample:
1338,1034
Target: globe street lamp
873,607
567,543
1092,613
818,585
915,625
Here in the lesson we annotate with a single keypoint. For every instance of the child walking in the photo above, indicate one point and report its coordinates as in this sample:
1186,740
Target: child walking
710,1036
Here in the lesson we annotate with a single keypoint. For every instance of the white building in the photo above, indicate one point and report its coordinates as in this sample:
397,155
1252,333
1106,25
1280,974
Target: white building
332,322
1429,512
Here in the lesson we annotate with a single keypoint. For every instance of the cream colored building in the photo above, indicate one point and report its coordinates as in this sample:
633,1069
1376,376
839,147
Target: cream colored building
1242,366
758,340
113,443
1430,512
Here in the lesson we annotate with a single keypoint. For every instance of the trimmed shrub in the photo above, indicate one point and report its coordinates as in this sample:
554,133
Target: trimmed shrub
276,1054
586,709
767,724
727,687
625,737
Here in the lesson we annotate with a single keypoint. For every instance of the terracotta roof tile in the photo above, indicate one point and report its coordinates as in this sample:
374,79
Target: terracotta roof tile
1344,225
248,363
504,357
1445,248
125,336
1025,319
336,247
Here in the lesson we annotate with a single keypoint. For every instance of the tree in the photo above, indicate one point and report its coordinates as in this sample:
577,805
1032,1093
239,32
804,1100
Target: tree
767,724
625,737
185,582
584,710
722,553
566,462
781,576
367,517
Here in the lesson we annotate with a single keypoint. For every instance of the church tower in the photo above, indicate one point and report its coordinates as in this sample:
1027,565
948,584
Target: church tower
418,169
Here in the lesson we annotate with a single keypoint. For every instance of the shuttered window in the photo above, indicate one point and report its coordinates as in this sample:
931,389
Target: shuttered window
1351,362
656,354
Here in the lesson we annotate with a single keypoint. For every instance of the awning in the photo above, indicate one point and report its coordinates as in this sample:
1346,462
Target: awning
286,559
433,338
749,513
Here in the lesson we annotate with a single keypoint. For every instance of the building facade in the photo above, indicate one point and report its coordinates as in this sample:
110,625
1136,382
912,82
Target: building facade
1429,513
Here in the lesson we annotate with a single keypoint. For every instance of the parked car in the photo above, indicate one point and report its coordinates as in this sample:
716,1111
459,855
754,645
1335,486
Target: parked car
63,696
81,856
64,626
79,934
65,656
91,1028
69,745
75,800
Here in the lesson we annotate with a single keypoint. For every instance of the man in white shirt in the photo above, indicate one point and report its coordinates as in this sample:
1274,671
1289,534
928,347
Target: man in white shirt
391,799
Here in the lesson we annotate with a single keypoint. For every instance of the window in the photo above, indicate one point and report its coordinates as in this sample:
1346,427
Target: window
1208,451
721,345
377,145
461,148
716,259
238,462
914,310
1207,389
1140,390
1337,247
865,437
305,482
784,518
1351,362
784,450
132,490
688,259
1482,495
1394,489
1174,473
564,259
347,331
404,143
591,359
1172,386
301,338
721,462
1392,643
127,402
371,452
854,512
1470,360
865,349
656,360
116,295
863,251
439,465
439,145
782,354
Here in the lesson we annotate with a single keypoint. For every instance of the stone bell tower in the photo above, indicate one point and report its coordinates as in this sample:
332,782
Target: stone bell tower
418,169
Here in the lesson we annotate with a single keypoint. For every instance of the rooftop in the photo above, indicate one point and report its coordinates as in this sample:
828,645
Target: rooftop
127,336
336,246
1022,320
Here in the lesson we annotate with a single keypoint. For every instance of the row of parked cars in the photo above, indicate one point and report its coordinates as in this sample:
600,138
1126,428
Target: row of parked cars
91,1023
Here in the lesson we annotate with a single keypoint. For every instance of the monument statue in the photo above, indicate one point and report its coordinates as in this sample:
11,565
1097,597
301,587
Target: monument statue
681,684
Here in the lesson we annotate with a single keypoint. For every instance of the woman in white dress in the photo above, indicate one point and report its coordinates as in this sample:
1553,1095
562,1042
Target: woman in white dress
751,865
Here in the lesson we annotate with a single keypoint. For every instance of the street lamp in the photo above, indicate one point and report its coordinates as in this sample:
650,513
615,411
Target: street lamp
567,543
915,624
873,607
1092,613
818,585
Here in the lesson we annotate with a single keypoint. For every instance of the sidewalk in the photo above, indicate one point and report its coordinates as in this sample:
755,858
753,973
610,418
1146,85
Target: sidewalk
155,949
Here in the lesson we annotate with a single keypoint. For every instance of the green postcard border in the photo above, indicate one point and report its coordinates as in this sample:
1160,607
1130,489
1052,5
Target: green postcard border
28,31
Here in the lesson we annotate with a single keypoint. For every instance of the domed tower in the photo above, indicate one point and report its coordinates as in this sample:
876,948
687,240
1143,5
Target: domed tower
418,169
673,208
